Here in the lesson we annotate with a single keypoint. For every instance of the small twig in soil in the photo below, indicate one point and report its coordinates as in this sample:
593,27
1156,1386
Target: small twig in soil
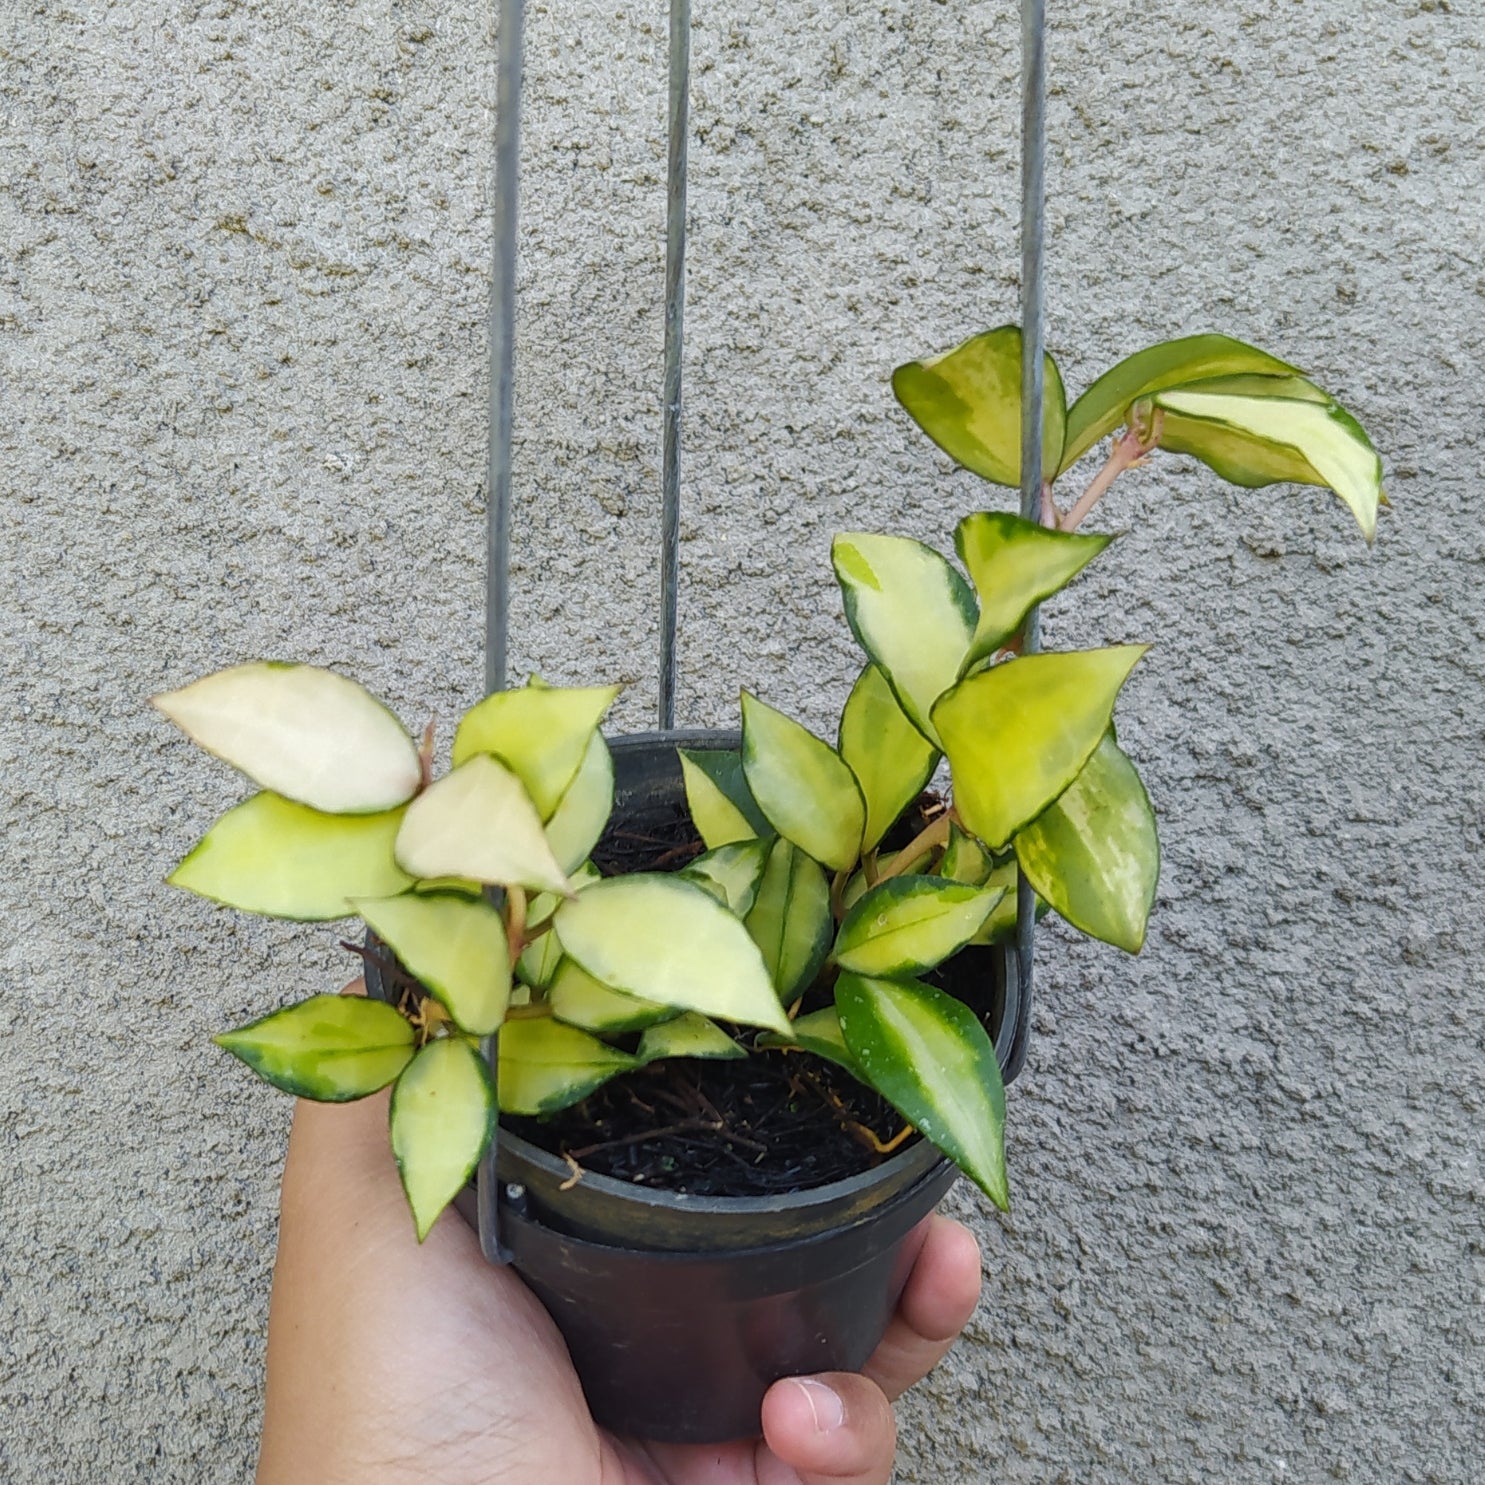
684,1126
577,1173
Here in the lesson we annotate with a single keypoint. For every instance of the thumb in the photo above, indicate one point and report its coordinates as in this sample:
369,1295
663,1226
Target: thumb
837,1427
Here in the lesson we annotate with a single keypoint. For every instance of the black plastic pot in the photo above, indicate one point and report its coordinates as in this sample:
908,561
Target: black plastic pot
680,1311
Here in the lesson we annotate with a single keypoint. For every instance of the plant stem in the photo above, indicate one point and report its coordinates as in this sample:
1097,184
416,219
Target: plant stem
425,756
928,839
1129,449
515,922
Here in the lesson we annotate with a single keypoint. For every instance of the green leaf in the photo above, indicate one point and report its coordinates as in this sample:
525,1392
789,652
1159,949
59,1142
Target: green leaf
479,822
965,859
802,785
1093,853
722,808
454,945
968,401
732,873
1105,405
908,924
1018,734
1015,564
820,1033
579,1000
666,939
539,732
689,1035
891,759
578,822
1247,439
1000,926
302,732
331,1048
269,855
791,920
443,1109
546,1066
911,612
928,1055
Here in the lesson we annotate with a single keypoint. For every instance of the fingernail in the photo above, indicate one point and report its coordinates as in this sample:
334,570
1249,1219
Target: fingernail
828,1410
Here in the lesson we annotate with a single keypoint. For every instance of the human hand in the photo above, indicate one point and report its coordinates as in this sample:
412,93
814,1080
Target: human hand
389,1363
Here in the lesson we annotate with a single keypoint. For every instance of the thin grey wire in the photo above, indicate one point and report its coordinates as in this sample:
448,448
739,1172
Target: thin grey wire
1033,350
675,308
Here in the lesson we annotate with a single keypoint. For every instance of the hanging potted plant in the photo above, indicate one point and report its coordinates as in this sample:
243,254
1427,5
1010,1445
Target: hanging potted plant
750,1004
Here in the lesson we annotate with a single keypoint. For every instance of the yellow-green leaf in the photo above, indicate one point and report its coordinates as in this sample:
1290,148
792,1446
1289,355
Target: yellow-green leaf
579,1000
722,808
688,1035
968,401
302,732
928,1055
666,939
546,1066
454,945
911,612
1000,926
891,759
965,859
820,1033
1093,853
732,873
790,919
539,732
538,963
331,1048
270,855
443,1109
578,822
1018,734
802,785
908,924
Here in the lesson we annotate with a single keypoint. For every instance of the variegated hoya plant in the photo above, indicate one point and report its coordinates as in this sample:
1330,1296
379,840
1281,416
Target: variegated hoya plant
480,881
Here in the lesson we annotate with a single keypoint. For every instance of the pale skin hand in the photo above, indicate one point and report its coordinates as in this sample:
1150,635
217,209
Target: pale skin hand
390,1364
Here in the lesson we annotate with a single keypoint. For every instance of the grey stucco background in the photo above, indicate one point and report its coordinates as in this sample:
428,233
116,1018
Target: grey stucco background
243,269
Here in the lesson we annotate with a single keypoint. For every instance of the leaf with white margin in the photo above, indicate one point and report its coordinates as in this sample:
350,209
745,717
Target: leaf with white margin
272,856
891,759
722,809
302,732
578,822
1093,852
478,821
908,924
731,873
455,945
820,1033
790,919
688,1035
1015,564
577,999
331,1048
539,732
928,1055
802,785
546,1066
1018,734
666,939
911,612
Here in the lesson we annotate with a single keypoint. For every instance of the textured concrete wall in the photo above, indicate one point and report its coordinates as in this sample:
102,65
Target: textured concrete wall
242,289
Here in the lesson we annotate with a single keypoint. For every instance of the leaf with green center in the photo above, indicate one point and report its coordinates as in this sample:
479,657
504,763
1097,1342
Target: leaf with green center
546,1066
820,1033
575,828
1000,926
443,1110
1093,853
906,925
666,939
1015,564
455,945
802,785
732,873
1018,734
269,855
479,822
331,1048
722,808
1105,405
968,401
790,920
1257,440
577,999
965,859
302,732
539,732
911,612
891,759
928,1055
689,1035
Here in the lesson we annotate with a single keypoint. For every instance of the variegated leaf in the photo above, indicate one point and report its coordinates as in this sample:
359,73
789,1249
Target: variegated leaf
891,759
